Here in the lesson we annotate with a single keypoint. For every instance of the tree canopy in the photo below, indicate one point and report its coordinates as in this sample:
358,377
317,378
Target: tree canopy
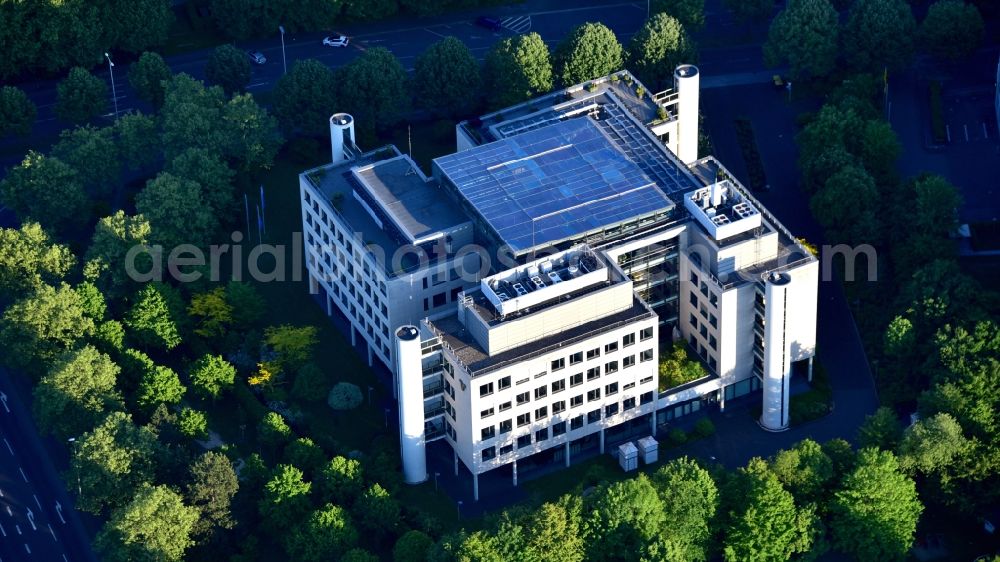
177,212
373,88
516,69
589,51
304,98
155,526
660,46
804,35
93,153
211,486
951,30
29,259
46,190
150,320
42,326
879,34
148,77
113,237
446,78
81,96
327,533
77,393
691,13
229,68
17,112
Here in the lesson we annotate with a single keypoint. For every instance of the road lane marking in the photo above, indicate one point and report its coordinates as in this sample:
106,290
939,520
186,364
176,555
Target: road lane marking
65,559
429,30
9,448
257,84
31,519
985,134
22,474
966,128
53,534
59,513
3,400
27,548
38,503
3,531
18,529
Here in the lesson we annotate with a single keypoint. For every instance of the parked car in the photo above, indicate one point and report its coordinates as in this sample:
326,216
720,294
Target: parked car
489,22
336,41
257,57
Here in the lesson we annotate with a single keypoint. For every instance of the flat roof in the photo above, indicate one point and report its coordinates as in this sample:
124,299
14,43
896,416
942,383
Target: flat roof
552,183
417,207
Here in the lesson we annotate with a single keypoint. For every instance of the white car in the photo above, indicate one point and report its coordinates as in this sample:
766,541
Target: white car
336,41
257,57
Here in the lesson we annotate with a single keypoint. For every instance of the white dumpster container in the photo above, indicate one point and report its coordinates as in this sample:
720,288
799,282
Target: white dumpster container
649,449
628,456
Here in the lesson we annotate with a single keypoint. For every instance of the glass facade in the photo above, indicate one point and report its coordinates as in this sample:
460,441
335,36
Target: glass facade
654,272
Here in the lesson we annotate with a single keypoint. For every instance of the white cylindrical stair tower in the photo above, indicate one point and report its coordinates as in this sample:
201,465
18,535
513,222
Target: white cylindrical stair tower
341,129
687,84
777,354
409,372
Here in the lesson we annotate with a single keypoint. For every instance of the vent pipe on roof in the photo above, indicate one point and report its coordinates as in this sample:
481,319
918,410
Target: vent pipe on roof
687,84
341,134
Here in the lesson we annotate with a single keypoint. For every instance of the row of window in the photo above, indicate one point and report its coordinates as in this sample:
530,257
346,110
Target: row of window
593,373
576,358
559,428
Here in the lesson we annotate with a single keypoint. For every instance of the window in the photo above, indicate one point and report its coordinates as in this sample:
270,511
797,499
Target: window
488,453
541,392
646,333
558,386
646,355
542,434
486,413
523,419
628,361
610,410
611,347
576,380
505,406
489,432
593,354
505,427
704,288
594,394
704,331
558,429
712,342
629,386
559,364
693,320
504,383
713,299
694,278
712,364
523,398
523,441
628,403
576,358
558,407
576,401
576,423
646,397
593,373
486,389
594,416
506,449
440,299
713,321
694,299
628,340
542,413
646,380
611,389
611,367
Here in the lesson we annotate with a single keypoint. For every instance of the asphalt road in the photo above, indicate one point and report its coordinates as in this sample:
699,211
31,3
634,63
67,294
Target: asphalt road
37,519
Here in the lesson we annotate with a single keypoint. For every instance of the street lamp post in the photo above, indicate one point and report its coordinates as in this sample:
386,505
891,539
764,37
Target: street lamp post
284,65
458,507
114,93
436,474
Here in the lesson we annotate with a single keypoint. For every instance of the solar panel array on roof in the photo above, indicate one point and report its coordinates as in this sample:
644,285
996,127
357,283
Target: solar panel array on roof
552,184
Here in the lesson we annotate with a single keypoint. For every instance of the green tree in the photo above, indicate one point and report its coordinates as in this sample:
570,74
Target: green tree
92,300
155,526
229,68
750,10
273,430
191,117
952,30
211,313
373,88
341,481
111,462
212,483
555,532
78,392
881,429
292,344
81,96
659,47
516,69
880,148
137,140
136,25
160,385
805,470
44,189
192,423
248,306
326,534
150,321
412,547
109,336
252,135
804,35
92,152
29,259
625,516
589,51
148,77
765,524
678,367
691,13
40,327
879,34
307,455
929,204
211,173
369,10
690,499
304,98
359,554
113,237
377,512
311,383
211,375
874,514
285,502
834,206
932,444
446,78
17,112
176,211
344,396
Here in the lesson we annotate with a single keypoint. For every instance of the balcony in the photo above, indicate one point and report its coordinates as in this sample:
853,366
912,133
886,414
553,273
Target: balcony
434,408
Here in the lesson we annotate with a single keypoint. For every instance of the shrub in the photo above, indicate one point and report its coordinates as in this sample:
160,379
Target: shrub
937,113
703,428
676,436
250,403
751,156
344,396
